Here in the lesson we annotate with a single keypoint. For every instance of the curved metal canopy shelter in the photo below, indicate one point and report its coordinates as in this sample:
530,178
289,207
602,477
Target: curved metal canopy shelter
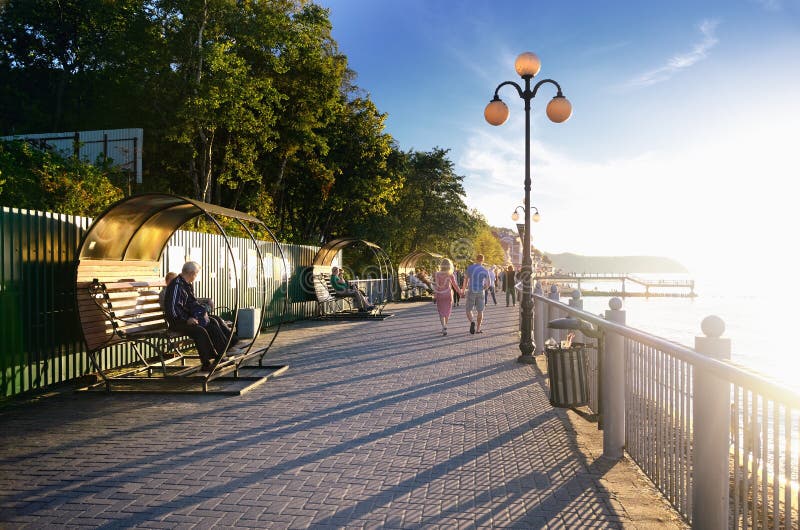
325,256
409,262
407,265
125,244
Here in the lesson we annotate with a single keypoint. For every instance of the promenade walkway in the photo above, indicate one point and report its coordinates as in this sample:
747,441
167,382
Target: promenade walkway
375,424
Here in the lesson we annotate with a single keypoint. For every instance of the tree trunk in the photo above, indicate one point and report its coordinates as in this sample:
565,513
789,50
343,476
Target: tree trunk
207,163
201,174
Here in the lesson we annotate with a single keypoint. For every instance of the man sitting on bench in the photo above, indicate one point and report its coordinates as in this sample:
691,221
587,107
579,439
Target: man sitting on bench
343,288
185,314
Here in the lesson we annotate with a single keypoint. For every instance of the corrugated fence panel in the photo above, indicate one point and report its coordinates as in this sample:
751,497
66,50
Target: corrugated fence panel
40,340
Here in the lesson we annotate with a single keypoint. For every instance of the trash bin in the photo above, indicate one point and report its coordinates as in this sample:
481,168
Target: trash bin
247,323
566,369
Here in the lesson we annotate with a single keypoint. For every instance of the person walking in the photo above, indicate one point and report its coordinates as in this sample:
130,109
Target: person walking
476,281
444,285
456,290
511,291
490,290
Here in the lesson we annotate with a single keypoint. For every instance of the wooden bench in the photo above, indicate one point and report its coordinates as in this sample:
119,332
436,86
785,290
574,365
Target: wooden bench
406,290
118,303
328,300
128,311
411,292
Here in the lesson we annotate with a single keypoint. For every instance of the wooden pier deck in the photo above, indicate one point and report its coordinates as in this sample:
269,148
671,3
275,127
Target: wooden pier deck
664,287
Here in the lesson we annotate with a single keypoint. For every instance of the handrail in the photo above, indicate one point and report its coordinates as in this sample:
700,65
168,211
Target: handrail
772,389
719,442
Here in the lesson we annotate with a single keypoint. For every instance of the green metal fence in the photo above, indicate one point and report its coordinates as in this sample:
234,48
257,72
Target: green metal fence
40,340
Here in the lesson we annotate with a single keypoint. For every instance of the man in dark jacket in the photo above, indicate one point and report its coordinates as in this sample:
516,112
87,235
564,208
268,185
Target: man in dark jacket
184,314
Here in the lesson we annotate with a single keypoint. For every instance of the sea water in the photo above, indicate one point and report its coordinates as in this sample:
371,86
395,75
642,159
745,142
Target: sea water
760,320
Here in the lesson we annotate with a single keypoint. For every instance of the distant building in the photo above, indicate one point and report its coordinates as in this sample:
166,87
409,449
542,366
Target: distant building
122,146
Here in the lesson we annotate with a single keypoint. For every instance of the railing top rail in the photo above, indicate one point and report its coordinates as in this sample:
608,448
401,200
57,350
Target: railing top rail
725,369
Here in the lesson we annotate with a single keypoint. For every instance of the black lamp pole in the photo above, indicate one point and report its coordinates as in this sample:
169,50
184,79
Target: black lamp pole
496,113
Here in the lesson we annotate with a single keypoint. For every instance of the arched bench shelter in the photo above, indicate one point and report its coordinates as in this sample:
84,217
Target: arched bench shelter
376,281
407,264
119,276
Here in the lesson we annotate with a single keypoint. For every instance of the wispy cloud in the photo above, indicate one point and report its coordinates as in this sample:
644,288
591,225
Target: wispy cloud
676,63
696,202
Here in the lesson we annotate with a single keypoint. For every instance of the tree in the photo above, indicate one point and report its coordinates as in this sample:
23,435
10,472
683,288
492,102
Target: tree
429,212
487,244
67,64
225,107
247,104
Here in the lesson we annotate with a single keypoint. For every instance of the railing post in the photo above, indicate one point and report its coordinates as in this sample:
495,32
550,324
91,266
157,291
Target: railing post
554,312
577,302
539,322
711,431
613,381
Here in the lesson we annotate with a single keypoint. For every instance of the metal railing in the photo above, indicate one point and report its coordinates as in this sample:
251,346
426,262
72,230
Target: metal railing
722,444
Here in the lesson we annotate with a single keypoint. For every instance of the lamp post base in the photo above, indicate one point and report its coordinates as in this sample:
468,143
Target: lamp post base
526,359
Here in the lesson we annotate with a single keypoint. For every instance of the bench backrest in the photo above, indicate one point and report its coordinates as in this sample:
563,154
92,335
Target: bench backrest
321,288
128,305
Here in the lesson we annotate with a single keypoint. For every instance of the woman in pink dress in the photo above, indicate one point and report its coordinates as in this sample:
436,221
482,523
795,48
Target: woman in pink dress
443,280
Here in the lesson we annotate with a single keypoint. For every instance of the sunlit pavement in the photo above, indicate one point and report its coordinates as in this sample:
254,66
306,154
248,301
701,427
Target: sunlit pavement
376,424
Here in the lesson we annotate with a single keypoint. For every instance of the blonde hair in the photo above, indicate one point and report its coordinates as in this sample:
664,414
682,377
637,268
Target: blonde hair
445,265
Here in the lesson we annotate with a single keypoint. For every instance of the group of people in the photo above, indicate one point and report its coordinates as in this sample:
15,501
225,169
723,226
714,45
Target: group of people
419,279
505,278
185,314
475,285
213,336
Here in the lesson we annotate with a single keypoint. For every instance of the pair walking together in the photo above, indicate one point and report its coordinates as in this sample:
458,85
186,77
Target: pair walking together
476,281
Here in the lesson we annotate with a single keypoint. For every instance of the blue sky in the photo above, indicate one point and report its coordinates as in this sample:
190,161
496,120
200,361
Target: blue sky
683,138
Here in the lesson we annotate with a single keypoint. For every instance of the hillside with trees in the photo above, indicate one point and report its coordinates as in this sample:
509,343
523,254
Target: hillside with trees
615,264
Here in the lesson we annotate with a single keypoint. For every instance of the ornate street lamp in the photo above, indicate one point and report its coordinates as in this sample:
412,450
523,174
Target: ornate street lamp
521,226
559,110
536,217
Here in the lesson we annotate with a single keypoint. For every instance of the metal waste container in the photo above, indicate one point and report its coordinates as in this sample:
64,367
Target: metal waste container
247,323
567,369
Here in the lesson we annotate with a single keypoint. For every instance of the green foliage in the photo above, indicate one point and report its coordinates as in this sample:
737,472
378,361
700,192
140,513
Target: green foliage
246,104
428,212
39,180
487,244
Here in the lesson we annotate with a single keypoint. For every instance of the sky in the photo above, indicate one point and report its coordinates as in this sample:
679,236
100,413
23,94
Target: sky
685,129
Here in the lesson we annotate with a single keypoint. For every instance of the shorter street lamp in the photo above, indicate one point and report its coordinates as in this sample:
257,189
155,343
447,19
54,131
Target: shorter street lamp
521,227
536,217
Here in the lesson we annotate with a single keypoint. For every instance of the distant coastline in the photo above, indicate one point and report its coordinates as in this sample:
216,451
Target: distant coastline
577,263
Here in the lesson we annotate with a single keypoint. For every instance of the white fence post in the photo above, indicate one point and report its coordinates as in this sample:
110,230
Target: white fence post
613,381
711,431
577,302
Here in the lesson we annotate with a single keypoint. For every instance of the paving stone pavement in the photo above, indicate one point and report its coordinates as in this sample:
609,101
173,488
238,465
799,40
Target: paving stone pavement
381,424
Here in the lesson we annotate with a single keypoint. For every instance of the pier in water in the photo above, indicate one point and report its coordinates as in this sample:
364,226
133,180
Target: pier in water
628,284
